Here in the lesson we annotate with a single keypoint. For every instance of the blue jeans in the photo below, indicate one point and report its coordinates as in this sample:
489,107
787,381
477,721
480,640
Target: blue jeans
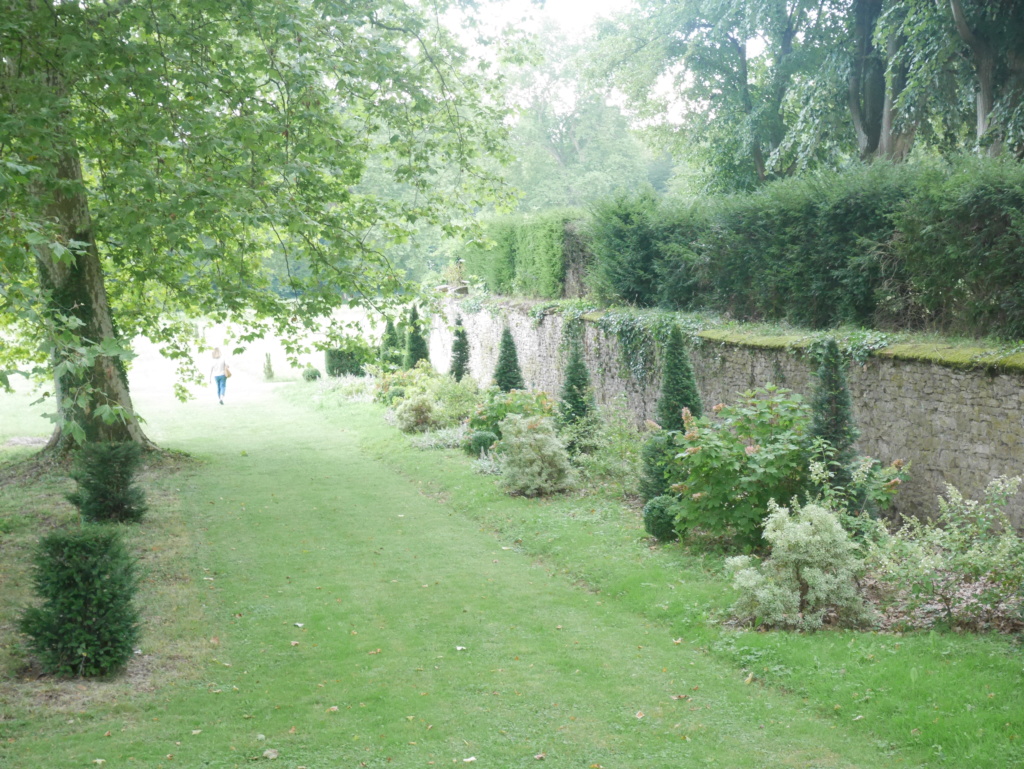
222,382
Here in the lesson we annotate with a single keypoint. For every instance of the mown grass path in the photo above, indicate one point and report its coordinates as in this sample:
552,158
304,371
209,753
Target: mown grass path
352,620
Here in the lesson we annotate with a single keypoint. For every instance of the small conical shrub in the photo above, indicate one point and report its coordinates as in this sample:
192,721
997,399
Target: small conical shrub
678,385
577,402
660,518
415,345
105,473
831,406
87,623
268,368
507,375
392,348
460,352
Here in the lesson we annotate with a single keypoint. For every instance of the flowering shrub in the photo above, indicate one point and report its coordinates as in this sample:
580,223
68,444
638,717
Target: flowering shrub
391,387
727,470
965,568
497,405
533,460
810,578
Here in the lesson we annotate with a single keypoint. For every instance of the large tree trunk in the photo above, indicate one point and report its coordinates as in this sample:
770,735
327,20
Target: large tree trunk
892,144
77,289
984,68
867,79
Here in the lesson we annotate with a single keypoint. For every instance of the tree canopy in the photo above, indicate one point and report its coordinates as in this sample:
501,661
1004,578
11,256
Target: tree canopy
155,157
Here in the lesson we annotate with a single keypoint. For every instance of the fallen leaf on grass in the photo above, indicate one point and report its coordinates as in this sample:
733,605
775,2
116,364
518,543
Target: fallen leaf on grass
857,718
295,643
293,730
375,651
639,714
270,754
332,709
196,731
748,679
681,697
99,761
541,756
469,760
677,641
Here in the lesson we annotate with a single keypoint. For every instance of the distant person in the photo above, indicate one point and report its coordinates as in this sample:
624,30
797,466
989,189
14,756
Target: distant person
219,373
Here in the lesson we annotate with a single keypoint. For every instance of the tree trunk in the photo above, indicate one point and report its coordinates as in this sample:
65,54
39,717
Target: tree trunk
76,286
893,145
867,79
984,67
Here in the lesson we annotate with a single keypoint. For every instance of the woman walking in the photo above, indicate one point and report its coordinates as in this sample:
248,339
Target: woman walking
219,372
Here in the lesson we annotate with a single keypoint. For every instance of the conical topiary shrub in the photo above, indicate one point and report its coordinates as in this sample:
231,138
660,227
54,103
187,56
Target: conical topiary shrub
678,385
577,401
107,491
460,352
507,375
831,405
87,623
391,350
415,345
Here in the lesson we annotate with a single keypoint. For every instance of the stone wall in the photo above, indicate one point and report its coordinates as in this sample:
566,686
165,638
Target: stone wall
954,426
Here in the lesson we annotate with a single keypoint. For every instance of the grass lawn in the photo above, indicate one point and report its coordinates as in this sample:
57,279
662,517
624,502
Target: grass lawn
320,594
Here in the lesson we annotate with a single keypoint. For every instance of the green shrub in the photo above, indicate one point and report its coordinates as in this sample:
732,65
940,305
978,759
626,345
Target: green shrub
625,252
392,348
657,452
577,402
832,407
678,385
479,442
348,358
727,470
607,446
533,460
417,414
497,405
810,578
455,402
105,473
310,373
87,624
964,569
660,518
415,343
391,387
460,352
507,375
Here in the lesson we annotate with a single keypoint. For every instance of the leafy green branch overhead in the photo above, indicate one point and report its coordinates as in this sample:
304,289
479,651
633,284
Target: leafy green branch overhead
157,156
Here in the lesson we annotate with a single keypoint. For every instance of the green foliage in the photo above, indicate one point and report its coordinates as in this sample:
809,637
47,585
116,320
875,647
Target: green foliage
460,352
678,385
417,414
810,578
310,373
86,624
533,460
507,375
105,473
832,408
415,343
391,387
522,255
392,347
479,443
497,405
577,401
624,249
268,368
658,450
605,448
660,518
348,358
964,569
728,469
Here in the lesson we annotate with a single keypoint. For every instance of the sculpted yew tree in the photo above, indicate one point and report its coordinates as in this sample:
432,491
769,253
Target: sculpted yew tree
156,157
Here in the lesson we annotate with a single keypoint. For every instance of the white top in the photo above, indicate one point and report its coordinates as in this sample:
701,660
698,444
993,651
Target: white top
219,364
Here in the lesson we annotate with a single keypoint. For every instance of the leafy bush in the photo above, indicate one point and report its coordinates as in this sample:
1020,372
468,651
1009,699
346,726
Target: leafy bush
87,624
660,518
460,352
965,568
479,442
727,470
455,401
533,460
678,385
105,473
348,358
497,405
417,414
390,388
311,373
415,343
810,578
607,446
507,375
